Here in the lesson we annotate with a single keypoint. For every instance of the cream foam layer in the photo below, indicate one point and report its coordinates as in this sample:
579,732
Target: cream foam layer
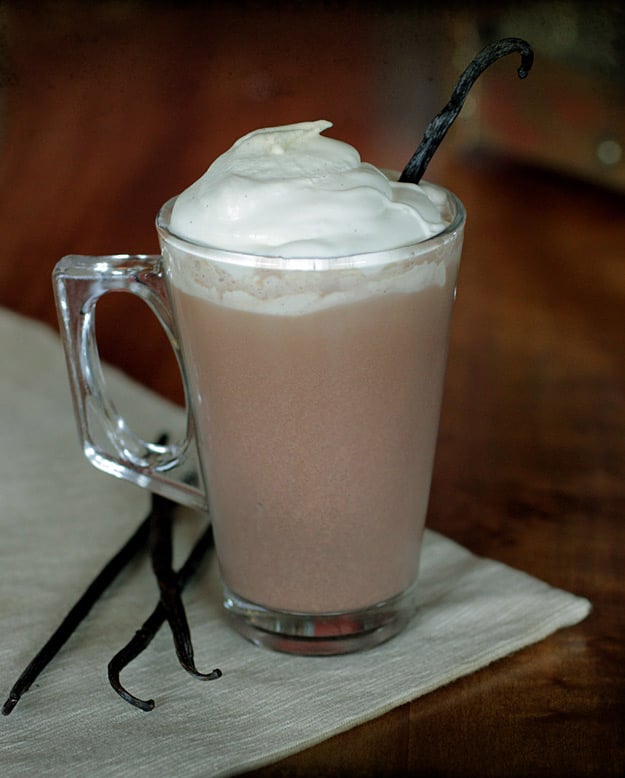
292,192
293,292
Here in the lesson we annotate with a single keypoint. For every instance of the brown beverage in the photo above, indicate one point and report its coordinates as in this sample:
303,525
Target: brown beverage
318,432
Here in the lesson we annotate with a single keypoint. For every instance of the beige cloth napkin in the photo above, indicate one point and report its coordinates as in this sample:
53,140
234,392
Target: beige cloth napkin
61,520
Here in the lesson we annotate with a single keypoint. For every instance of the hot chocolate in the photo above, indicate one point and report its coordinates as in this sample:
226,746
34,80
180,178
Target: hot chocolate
313,296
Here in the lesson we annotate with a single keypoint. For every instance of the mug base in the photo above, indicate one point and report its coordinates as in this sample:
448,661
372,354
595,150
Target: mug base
320,634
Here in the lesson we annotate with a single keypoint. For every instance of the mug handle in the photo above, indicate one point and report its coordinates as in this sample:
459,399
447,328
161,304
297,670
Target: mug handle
109,443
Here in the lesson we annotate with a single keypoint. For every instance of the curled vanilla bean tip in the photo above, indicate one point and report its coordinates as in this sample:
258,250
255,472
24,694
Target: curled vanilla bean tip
114,668
144,635
437,128
169,587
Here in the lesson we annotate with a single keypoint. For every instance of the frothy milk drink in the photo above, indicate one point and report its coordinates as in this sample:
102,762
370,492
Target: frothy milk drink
319,435
313,297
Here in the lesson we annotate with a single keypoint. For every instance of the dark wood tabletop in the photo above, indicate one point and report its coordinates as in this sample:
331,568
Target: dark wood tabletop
107,109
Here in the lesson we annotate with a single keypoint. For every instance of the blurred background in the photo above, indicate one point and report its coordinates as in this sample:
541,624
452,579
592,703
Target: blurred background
109,108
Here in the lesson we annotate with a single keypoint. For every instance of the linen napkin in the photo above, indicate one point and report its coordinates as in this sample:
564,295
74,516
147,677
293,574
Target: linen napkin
61,520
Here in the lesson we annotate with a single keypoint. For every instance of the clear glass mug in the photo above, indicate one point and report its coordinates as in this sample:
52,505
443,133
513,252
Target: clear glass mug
313,392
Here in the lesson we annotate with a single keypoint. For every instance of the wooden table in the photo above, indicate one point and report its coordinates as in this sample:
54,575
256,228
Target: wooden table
99,124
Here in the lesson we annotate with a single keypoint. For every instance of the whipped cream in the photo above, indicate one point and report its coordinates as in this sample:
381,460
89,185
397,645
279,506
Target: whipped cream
292,192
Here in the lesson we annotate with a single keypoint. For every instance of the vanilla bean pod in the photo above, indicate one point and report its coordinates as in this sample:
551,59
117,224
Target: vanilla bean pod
77,613
161,554
437,129
143,637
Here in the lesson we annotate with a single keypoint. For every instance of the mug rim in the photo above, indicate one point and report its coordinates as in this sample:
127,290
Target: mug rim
372,258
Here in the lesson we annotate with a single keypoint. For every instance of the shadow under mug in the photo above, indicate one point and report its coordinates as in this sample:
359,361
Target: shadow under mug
313,390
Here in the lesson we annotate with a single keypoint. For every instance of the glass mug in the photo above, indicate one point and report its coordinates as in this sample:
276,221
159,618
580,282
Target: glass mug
313,391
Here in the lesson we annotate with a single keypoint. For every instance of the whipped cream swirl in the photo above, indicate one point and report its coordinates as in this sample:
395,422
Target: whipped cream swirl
292,192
